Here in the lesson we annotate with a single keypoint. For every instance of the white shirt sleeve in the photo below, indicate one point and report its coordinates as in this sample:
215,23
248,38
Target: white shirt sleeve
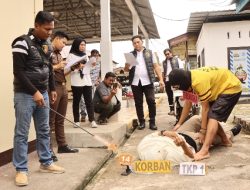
181,63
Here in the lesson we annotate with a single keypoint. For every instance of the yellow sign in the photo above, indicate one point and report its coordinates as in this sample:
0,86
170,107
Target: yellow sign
152,166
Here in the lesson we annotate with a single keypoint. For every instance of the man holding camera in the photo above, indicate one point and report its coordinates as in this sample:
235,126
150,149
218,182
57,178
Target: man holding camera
103,99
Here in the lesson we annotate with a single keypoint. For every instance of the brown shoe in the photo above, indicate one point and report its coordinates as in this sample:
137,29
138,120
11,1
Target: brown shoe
52,168
21,178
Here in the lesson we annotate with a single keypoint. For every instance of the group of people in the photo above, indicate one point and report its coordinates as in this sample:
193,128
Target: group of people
218,91
40,92
40,84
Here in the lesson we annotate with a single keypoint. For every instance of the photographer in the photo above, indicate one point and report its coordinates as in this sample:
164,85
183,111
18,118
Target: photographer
105,93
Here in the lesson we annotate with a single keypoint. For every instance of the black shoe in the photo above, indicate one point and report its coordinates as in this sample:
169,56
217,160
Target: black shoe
67,149
141,126
102,121
54,157
236,129
171,112
152,126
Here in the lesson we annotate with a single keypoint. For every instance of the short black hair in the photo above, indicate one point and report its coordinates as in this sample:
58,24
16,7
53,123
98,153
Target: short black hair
43,17
60,34
109,74
94,52
168,49
136,36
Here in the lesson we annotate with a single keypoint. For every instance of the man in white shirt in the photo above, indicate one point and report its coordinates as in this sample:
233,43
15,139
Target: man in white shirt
141,78
171,62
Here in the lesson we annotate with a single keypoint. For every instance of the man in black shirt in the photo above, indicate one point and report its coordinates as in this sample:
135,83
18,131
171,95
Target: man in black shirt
32,78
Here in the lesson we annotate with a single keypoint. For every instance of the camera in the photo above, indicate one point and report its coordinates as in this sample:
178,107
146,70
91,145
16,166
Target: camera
115,84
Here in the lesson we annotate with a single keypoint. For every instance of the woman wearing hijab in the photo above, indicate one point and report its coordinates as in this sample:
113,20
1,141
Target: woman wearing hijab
80,81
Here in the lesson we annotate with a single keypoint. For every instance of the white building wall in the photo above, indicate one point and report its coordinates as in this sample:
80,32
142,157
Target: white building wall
16,17
213,38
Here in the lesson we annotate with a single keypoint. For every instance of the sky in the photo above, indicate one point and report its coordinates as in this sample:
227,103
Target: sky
165,13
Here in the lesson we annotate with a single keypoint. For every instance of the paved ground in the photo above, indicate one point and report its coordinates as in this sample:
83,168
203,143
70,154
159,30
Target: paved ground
228,168
80,167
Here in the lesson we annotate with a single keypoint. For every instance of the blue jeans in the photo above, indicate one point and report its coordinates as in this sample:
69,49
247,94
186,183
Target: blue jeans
25,108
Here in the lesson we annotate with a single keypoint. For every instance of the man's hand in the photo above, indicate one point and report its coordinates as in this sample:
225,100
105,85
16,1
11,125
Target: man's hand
53,97
38,98
114,91
60,65
161,85
127,67
177,126
179,141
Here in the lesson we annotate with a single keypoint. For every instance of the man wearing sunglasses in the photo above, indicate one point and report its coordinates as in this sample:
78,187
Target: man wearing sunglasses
171,62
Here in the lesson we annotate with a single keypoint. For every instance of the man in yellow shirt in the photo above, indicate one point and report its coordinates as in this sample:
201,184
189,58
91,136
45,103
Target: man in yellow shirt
218,90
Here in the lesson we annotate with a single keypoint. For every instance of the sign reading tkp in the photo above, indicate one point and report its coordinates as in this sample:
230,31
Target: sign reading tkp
192,97
192,168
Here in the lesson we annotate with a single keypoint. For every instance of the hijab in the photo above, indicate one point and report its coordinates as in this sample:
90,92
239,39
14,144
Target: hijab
75,50
75,47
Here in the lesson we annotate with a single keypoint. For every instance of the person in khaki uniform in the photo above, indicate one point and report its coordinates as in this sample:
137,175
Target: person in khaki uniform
218,90
56,122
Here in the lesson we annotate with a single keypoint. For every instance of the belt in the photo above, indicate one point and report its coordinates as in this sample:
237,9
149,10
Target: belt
60,83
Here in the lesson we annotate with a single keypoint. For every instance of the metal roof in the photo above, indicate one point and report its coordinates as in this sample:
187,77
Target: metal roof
197,19
241,5
82,18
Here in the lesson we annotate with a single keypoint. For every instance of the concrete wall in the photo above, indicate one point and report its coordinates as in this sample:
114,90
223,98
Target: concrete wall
214,40
15,17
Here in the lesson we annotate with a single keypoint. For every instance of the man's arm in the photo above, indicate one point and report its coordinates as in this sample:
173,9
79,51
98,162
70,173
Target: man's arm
185,112
107,99
59,66
52,85
204,113
20,54
179,141
127,67
159,74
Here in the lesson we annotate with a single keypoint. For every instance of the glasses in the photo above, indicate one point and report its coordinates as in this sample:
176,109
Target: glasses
167,54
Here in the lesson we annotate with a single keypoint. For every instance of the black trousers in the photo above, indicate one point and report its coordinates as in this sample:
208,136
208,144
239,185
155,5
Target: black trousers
106,110
170,95
86,91
149,93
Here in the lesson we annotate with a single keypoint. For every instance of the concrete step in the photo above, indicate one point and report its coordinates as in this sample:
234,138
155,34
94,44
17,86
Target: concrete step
115,132
112,132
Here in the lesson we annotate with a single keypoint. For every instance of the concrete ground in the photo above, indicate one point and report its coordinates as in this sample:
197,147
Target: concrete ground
227,168
80,167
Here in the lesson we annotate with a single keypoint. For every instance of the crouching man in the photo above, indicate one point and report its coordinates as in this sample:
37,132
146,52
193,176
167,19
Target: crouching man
105,100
